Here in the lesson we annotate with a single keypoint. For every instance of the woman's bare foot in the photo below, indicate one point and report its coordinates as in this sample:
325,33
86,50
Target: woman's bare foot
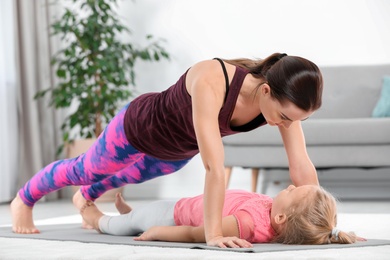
79,201
91,214
121,205
22,219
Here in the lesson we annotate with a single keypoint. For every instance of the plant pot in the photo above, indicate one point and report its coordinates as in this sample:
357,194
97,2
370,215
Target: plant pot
81,146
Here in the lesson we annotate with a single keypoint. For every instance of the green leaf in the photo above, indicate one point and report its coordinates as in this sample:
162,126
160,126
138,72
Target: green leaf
61,73
59,150
156,56
95,68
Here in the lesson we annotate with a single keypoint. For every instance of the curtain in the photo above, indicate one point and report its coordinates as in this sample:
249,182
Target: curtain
8,104
38,124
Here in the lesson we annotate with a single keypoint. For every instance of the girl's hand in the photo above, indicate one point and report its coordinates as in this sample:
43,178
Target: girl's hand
148,235
232,242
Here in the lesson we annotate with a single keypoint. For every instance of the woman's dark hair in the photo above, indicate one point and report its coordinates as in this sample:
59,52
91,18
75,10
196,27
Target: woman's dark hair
290,78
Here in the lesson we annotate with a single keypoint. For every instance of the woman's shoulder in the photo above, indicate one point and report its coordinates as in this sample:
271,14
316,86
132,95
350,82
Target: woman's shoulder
208,73
212,66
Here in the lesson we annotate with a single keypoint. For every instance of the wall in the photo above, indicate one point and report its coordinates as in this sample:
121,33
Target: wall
329,32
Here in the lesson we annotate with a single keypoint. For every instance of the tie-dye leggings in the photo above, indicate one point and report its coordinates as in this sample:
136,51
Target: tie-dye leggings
109,163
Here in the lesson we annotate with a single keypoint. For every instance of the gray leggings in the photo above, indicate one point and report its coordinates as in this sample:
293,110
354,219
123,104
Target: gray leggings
140,219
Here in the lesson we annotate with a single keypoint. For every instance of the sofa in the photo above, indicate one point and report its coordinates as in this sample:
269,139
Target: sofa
348,146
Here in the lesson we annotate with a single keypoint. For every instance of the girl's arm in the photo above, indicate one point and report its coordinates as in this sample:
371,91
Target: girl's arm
206,85
302,170
173,234
191,234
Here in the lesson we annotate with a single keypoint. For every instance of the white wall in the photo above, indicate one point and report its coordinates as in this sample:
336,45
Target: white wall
329,32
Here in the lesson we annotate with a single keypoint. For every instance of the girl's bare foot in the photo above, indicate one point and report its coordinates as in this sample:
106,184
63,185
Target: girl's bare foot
22,219
91,214
121,205
79,201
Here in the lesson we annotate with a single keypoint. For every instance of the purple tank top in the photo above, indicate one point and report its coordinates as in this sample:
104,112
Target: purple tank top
160,124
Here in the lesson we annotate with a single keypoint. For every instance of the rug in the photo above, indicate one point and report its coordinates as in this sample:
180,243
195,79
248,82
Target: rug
73,232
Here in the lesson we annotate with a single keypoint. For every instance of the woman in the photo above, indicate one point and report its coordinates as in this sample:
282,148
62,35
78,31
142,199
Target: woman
158,133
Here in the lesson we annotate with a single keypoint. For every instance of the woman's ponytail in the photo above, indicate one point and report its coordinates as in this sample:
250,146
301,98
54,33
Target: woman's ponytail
258,68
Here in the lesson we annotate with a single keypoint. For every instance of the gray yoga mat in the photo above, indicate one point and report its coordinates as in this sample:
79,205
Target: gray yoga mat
74,232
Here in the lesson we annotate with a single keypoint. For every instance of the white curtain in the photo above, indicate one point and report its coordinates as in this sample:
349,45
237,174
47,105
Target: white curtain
38,124
8,104
29,130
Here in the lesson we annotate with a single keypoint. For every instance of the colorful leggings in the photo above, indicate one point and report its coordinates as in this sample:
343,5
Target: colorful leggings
109,163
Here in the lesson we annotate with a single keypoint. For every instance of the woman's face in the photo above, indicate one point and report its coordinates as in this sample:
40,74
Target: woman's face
277,114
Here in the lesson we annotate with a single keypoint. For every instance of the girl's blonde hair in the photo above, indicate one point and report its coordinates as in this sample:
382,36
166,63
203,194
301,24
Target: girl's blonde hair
312,221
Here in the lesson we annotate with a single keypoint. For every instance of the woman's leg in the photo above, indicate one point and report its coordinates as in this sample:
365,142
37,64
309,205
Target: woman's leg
110,153
144,169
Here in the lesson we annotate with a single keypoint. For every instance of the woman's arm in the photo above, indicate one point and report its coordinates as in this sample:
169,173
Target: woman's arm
302,170
206,85
191,234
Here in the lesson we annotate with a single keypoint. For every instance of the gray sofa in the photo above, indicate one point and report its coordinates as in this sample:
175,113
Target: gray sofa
349,147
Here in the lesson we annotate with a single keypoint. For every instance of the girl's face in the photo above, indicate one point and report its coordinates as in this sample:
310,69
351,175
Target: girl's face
282,203
277,114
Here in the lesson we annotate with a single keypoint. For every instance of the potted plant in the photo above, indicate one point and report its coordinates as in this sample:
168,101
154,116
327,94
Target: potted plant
95,69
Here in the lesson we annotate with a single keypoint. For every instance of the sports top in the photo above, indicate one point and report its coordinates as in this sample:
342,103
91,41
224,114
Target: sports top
160,124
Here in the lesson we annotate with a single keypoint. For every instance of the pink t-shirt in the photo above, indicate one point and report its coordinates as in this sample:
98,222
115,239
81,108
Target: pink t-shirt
251,210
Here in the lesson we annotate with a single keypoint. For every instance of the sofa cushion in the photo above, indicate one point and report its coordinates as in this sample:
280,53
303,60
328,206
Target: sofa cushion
359,131
322,156
346,131
351,91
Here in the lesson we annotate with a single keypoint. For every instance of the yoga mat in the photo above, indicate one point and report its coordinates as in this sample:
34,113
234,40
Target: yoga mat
74,232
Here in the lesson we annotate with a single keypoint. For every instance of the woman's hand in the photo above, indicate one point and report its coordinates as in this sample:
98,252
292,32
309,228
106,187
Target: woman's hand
232,242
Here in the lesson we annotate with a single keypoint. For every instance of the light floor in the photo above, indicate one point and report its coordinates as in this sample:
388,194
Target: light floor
57,208
64,207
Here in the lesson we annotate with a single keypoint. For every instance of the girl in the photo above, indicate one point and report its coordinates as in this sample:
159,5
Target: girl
297,215
158,133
